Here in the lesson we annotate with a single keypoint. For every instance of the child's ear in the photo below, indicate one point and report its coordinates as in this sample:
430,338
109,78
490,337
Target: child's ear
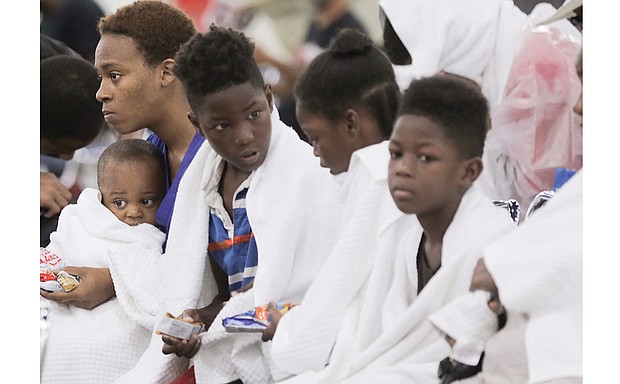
472,168
269,96
352,121
167,76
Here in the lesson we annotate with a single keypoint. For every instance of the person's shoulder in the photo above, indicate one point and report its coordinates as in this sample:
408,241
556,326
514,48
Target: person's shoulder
50,47
373,158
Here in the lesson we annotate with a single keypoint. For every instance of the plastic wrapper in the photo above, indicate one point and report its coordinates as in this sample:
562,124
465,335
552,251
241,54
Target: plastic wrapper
534,128
254,320
173,326
52,279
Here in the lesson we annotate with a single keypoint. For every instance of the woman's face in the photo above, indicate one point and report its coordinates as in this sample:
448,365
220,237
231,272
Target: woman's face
130,89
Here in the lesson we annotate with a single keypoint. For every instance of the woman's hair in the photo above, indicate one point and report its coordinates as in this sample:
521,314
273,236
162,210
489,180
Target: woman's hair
68,107
157,28
353,72
130,151
216,60
459,107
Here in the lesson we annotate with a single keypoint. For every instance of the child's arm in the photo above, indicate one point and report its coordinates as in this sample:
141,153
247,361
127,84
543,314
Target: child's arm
96,287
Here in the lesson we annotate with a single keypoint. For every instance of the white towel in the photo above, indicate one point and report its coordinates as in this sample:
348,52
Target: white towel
99,345
386,335
538,270
372,224
471,38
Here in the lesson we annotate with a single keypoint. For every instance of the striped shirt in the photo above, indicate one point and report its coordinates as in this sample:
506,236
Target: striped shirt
231,242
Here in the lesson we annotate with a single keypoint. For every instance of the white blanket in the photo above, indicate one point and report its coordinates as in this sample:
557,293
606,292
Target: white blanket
372,224
293,209
385,335
99,345
471,38
538,270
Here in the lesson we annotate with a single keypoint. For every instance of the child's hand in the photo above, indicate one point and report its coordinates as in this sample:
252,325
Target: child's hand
180,347
95,288
275,316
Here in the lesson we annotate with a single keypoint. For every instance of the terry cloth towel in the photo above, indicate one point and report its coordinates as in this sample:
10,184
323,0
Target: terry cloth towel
538,271
471,38
470,322
372,224
293,209
386,335
99,345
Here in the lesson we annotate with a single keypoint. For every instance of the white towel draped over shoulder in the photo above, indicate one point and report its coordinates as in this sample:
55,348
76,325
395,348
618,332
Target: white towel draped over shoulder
99,345
293,209
371,224
471,38
385,335
538,270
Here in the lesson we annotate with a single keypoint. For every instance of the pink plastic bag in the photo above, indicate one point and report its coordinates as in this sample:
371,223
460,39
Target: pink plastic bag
535,129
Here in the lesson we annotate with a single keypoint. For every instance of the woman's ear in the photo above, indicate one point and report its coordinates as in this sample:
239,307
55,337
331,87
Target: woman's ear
352,121
167,76
472,168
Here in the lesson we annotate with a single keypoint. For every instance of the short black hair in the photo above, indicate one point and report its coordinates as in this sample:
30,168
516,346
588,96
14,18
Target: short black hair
68,107
460,108
130,151
216,60
157,28
352,72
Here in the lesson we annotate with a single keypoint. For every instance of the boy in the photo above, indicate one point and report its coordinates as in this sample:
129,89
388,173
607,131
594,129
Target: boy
113,227
435,151
254,209
535,278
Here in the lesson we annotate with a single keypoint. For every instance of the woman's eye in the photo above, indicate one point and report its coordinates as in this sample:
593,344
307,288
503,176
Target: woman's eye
119,203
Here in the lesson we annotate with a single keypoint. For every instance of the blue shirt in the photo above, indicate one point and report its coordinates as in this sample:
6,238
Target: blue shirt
231,242
164,212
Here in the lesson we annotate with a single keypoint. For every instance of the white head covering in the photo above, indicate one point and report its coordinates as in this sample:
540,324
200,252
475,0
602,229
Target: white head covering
471,38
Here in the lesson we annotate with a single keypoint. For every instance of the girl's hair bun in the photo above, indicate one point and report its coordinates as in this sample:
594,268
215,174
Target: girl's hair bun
350,42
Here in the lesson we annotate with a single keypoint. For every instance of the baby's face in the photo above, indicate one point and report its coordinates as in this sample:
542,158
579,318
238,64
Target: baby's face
132,191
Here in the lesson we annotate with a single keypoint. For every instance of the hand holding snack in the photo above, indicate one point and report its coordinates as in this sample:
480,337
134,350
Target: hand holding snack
95,288
181,335
275,315
255,320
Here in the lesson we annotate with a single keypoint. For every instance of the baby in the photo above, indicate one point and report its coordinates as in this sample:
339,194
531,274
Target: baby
112,227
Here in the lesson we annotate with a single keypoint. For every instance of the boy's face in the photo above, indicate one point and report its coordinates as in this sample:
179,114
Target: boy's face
426,174
132,191
237,123
130,90
330,141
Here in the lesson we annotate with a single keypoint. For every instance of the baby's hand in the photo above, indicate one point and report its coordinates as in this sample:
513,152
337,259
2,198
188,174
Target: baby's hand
275,316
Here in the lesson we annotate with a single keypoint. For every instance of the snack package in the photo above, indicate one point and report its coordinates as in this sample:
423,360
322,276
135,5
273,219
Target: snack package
254,320
52,279
170,325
